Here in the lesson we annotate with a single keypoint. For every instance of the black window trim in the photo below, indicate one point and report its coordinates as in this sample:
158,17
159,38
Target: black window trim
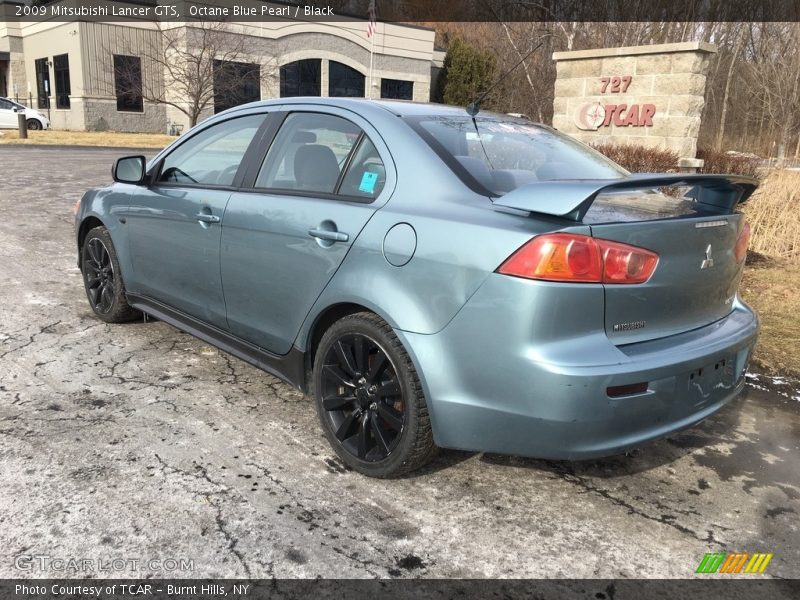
59,94
348,160
244,166
281,77
280,118
364,77
135,111
42,75
392,79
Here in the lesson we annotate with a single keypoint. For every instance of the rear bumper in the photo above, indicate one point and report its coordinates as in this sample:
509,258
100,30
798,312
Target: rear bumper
496,382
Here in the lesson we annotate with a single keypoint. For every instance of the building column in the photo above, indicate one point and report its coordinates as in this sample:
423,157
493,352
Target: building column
323,78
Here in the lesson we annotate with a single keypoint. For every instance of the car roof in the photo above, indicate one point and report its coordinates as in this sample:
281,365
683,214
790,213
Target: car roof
401,108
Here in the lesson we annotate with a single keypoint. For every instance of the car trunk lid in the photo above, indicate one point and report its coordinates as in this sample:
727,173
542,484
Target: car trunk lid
688,220
694,284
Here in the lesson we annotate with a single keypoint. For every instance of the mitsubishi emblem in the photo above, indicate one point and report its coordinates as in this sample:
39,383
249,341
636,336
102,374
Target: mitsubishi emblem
708,262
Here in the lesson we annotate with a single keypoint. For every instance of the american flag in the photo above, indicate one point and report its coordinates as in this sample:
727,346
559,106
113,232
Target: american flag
372,26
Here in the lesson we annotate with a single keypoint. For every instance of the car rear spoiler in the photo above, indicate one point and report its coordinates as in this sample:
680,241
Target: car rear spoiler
572,198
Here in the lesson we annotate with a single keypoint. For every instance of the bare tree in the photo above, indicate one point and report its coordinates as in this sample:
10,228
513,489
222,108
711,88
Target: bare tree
195,68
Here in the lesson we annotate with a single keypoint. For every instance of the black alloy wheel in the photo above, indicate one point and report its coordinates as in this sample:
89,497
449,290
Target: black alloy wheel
370,399
362,397
34,125
99,276
102,278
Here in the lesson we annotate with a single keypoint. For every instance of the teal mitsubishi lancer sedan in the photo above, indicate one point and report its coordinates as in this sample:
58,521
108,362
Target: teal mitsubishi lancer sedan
434,277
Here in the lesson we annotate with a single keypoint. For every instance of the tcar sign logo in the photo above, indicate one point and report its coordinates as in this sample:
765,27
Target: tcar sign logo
590,116
593,115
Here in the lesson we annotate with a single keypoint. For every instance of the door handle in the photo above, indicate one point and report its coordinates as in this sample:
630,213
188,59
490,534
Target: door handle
330,236
207,218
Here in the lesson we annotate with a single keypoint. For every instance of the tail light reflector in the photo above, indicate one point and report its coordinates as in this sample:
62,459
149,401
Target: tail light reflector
740,250
580,259
615,391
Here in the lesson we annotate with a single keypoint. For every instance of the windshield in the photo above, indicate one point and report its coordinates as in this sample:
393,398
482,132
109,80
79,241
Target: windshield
503,154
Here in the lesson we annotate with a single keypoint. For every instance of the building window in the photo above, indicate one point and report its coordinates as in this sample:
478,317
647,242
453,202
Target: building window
61,71
302,78
42,83
344,81
235,83
128,83
397,89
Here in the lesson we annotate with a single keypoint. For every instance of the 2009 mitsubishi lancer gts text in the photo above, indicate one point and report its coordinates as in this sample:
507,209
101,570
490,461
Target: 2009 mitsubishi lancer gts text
434,279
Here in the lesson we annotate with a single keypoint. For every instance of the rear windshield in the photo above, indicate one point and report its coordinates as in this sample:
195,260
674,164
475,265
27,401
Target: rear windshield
499,155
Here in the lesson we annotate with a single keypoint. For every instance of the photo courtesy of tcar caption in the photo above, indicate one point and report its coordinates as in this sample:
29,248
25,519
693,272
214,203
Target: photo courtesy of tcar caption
131,589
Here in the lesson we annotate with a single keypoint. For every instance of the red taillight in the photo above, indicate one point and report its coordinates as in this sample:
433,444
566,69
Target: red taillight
740,250
580,259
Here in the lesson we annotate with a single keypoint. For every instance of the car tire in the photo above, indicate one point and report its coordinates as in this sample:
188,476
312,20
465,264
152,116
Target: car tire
369,398
102,278
34,124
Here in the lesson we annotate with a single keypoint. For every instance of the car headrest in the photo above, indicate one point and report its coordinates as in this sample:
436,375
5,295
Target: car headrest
478,169
316,168
506,180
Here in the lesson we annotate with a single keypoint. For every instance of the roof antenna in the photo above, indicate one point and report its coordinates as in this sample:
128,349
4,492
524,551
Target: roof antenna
474,107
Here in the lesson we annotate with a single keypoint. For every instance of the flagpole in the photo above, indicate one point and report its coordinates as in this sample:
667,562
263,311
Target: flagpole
372,28
371,59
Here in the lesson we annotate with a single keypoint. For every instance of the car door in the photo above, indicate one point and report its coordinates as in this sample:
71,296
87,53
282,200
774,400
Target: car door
174,223
323,177
8,118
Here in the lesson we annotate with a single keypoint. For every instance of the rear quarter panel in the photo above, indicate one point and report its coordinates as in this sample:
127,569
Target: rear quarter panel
460,240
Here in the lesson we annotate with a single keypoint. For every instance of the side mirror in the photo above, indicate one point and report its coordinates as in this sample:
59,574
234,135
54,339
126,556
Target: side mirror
129,169
15,109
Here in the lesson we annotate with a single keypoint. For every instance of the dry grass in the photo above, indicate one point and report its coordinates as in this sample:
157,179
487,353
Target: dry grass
771,283
774,218
88,138
771,288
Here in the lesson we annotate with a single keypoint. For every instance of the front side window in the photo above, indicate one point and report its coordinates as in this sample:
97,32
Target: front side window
213,156
128,83
503,154
63,87
42,83
5,105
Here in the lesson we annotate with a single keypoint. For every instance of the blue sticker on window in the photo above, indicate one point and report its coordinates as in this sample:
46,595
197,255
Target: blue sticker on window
368,182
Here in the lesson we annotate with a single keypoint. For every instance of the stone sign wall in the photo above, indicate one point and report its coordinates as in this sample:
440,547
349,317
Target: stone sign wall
647,95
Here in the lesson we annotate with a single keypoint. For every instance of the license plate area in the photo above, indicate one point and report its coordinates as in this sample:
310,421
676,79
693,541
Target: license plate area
712,381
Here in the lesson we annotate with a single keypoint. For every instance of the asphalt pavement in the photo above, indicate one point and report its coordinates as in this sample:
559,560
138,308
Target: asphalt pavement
140,443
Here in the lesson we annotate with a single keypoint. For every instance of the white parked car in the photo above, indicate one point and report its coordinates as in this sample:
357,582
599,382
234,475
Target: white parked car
9,119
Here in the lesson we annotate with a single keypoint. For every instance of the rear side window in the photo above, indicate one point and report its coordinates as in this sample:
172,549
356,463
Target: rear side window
213,156
366,175
325,154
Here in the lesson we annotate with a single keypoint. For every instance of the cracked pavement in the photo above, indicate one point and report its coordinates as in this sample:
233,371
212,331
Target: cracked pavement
138,441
